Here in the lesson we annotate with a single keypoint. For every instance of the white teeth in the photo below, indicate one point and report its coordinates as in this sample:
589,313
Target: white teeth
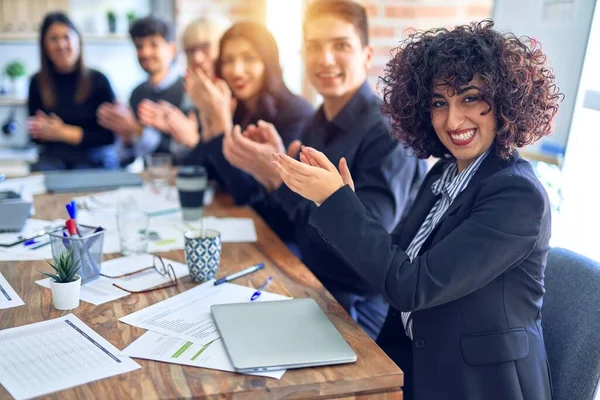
330,75
461,137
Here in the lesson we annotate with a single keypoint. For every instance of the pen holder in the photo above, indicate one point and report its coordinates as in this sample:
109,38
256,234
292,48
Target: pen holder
202,254
87,250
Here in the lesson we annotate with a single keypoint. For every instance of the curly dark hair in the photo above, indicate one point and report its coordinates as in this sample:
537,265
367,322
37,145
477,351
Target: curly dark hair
513,71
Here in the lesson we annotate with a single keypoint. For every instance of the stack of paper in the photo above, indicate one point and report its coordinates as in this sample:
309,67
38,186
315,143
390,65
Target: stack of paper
58,354
182,330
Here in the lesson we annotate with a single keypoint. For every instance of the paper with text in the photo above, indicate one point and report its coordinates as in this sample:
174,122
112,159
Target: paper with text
8,297
187,316
58,354
158,347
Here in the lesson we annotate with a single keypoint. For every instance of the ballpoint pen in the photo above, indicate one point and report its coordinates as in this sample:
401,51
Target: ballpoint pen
243,272
260,289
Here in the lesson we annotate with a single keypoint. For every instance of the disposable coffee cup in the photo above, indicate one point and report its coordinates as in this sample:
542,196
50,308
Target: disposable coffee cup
191,183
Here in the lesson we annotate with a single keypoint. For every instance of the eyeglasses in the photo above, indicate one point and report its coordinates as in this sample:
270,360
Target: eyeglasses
159,266
203,47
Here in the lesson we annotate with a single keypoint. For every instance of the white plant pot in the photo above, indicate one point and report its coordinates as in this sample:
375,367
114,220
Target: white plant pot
65,296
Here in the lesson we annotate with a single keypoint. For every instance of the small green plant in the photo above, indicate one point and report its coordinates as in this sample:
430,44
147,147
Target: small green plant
131,17
111,15
15,70
66,268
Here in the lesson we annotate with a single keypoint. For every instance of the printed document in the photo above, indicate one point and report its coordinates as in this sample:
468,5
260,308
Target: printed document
54,355
158,347
187,316
8,297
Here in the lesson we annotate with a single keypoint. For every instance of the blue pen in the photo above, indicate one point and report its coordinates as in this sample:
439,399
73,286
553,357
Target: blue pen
260,289
243,272
29,242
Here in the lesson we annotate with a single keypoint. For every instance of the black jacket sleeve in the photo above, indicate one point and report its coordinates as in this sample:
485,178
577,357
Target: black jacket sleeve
499,232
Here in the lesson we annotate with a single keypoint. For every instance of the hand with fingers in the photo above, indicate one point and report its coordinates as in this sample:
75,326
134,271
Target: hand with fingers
251,152
49,128
314,177
119,119
214,100
153,115
183,128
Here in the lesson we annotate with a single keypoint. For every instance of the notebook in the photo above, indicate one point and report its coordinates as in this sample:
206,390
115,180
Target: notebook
272,335
89,180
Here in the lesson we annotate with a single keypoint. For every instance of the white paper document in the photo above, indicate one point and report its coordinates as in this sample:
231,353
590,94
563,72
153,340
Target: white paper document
169,230
187,316
8,297
147,200
102,290
158,347
58,354
32,226
19,252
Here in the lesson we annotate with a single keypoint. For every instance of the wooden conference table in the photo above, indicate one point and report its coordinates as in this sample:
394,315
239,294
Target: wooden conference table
373,376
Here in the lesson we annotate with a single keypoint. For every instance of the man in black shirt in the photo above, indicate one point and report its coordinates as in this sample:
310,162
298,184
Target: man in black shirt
138,126
348,124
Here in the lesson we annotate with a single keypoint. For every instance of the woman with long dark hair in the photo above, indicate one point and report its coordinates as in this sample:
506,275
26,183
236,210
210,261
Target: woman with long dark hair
63,98
248,89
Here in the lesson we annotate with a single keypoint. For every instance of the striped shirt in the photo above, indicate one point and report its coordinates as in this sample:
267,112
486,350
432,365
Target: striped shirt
449,185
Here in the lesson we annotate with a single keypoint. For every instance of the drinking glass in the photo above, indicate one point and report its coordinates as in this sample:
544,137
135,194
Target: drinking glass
158,166
132,225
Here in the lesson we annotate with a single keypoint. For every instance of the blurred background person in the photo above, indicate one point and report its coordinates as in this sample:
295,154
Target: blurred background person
63,99
138,126
248,89
200,42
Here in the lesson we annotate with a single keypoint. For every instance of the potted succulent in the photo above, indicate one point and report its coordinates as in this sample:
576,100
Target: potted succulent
112,21
17,72
65,283
130,17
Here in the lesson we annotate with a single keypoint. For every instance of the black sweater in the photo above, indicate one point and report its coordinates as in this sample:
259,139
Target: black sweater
78,114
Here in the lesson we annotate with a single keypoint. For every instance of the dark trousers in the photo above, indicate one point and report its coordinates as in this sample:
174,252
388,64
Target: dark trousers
368,311
101,157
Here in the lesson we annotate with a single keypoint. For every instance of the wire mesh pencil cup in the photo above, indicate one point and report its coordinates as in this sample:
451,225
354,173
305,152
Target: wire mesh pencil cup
87,250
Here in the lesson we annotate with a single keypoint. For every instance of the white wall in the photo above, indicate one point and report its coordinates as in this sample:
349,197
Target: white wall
579,220
114,57
116,60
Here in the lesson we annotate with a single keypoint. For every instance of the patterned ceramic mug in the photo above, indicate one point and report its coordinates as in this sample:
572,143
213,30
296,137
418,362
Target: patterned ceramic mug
202,254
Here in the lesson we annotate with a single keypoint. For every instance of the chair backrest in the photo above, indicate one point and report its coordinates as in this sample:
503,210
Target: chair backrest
571,324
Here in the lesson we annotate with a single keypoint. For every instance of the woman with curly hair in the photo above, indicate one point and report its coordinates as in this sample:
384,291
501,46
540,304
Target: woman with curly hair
464,271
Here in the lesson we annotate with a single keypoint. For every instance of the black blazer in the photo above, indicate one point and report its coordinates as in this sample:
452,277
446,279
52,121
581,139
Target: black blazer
475,288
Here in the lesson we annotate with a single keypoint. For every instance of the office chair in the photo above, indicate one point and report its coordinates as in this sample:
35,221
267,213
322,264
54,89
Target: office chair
571,324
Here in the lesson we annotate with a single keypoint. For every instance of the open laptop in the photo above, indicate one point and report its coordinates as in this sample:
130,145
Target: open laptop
89,180
272,335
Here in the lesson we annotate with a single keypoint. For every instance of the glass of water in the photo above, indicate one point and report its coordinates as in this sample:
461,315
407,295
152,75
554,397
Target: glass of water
158,166
132,224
